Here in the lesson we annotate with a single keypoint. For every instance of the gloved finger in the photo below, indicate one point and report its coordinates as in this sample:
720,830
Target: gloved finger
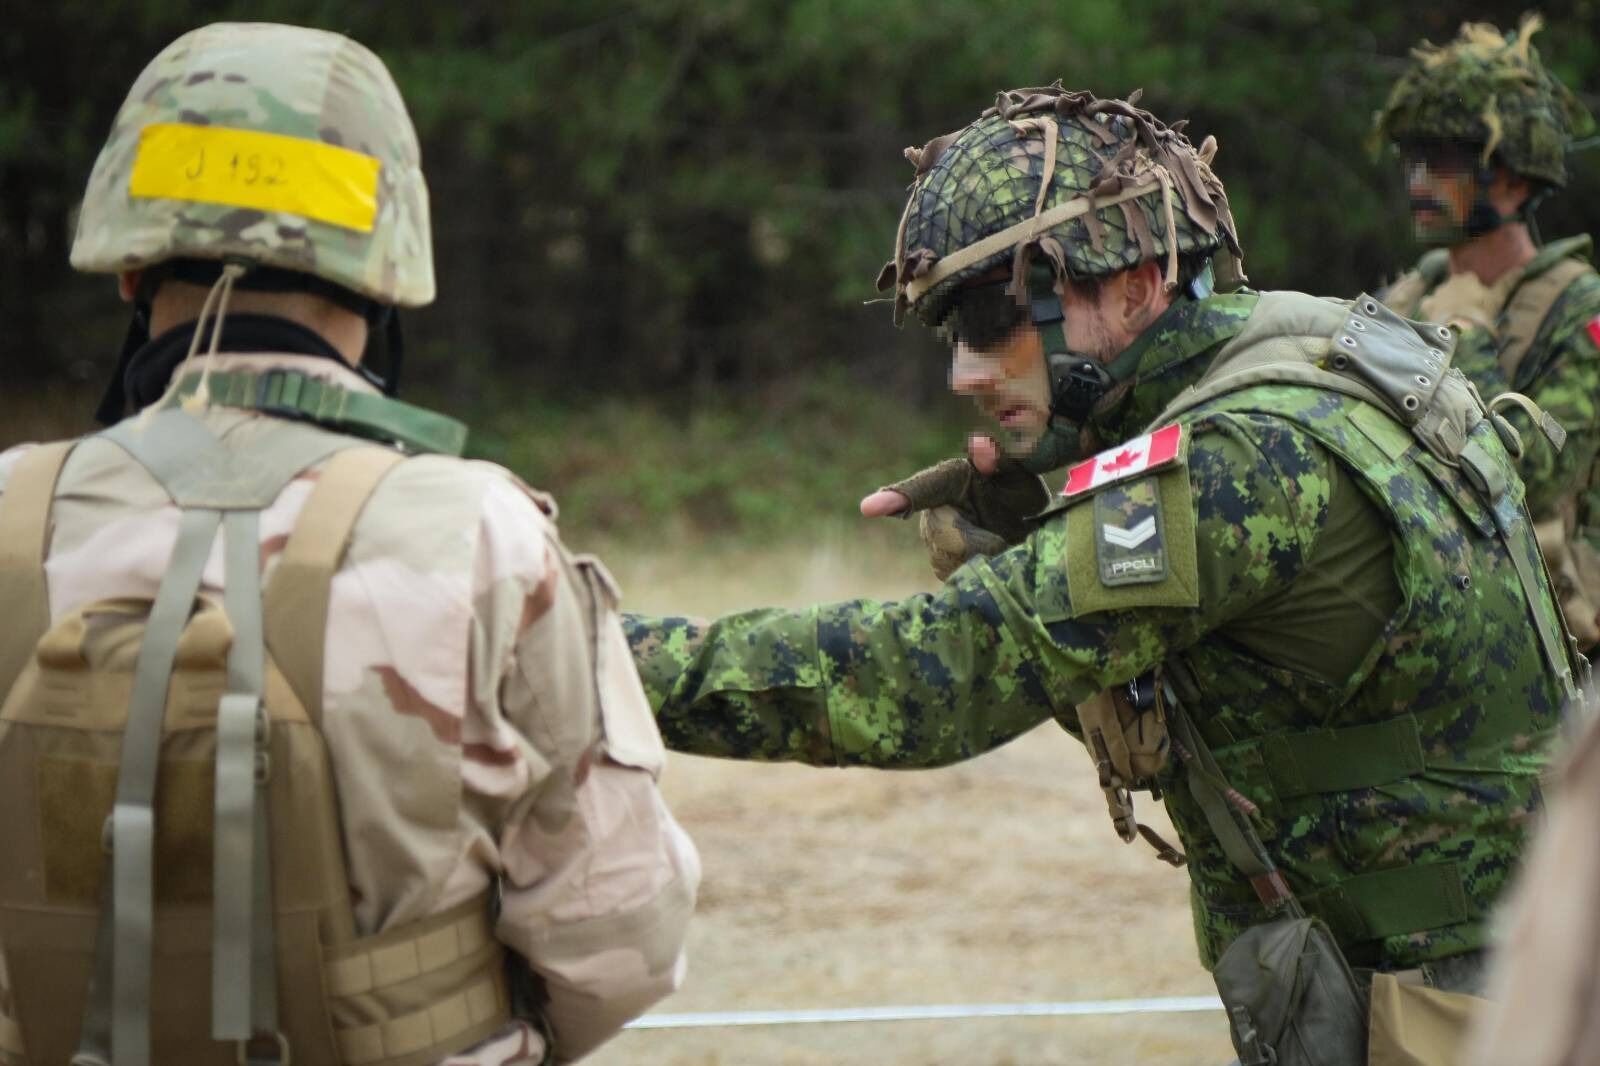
940,484
984,453
886,503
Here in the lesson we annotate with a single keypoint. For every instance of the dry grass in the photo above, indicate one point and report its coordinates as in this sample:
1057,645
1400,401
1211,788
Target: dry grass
997,881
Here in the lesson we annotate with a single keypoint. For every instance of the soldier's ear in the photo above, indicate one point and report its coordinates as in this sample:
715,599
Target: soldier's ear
1508,191
1144,296
128,284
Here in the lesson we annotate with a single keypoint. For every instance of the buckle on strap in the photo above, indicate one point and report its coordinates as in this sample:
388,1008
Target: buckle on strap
278,392
257,1051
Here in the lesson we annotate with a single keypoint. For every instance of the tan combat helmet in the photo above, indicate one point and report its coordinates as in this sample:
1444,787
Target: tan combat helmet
277,146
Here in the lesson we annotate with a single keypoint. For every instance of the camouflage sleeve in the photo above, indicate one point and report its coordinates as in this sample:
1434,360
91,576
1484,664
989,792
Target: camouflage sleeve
597,880
1005,644
1565,373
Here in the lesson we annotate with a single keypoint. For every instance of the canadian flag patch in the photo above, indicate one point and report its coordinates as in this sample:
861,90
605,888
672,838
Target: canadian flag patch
1126,460
1594,330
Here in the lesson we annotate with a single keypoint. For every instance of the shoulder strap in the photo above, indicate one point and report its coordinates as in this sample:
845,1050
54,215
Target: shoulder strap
197,469
291,394
295,606
1211,791
24,541
1530,305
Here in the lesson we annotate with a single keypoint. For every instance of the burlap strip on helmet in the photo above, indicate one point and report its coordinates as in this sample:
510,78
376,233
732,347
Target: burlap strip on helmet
1022,232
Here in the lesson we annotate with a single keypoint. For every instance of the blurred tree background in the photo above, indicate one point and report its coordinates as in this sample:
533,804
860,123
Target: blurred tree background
656,222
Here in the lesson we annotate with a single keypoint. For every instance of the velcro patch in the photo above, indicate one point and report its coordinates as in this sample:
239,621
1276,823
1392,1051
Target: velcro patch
1594,330
1133,547
1129,459
1129,542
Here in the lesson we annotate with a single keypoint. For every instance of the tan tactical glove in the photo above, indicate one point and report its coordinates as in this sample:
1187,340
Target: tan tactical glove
965,513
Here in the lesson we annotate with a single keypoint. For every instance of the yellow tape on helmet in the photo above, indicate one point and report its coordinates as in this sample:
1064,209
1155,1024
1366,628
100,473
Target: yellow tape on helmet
263,171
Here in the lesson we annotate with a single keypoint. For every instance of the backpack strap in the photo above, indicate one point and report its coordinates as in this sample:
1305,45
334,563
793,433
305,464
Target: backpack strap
217,488
1528,307
295,608
24,541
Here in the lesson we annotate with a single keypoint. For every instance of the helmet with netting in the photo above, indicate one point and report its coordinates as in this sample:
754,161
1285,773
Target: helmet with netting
1487,89
280,146
1095,186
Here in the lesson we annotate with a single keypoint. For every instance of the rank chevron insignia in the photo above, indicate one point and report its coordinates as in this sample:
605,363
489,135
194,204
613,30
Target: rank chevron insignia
1126,460
1132,537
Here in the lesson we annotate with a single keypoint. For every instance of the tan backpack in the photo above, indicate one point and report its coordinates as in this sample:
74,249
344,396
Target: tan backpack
174,888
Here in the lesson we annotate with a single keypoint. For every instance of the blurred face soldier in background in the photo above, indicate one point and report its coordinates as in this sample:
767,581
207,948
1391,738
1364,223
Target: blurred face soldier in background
1483,131
1297,594
312,748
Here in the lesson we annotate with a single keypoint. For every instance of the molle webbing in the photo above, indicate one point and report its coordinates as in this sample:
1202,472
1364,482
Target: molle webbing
24,540
415,994
291,394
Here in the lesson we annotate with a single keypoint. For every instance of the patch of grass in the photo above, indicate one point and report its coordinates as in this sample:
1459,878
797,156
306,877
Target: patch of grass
778,467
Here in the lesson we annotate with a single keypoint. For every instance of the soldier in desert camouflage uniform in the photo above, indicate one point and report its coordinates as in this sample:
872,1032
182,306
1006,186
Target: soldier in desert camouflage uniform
1484,129
494,759
1301,511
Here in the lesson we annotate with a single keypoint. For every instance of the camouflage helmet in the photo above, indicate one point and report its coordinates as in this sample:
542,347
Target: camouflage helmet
1487,88
279,145
1096,186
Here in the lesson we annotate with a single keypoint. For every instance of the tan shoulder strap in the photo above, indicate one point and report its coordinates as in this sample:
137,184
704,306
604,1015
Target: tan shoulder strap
295,604
24,540
1528,307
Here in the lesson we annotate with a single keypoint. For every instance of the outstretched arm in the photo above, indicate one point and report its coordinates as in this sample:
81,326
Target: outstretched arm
1009,641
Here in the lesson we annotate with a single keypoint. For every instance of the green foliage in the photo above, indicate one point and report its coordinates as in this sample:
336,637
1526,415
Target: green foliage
703,190
627,469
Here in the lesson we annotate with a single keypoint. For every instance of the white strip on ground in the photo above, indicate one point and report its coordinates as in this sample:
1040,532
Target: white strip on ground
912,1013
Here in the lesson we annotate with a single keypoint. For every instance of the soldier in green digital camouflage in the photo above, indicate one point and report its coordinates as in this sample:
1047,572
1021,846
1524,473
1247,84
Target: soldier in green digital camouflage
1484,130
1303,520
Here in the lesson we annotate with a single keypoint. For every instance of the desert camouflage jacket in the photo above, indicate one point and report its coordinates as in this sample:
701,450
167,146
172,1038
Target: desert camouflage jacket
474,732
1315,574
1560,372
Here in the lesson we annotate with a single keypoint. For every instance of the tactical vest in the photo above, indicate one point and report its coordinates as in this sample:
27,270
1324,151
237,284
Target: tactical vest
1531,291
1525,298
174,888
1407,741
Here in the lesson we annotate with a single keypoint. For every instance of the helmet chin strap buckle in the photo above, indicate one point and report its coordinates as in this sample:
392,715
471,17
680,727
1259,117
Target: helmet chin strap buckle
1077,384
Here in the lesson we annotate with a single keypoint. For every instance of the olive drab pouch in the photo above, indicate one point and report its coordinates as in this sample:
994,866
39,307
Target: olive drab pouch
1291,997
174,887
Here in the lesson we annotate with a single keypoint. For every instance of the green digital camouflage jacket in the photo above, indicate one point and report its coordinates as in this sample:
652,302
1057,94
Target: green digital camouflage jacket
1370,677
1560,371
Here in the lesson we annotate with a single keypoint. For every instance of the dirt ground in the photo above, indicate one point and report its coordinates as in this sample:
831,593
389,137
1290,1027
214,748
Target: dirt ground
997,881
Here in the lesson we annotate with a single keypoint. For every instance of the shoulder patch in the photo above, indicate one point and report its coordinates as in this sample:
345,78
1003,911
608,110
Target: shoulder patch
1593,329
1130,459
1129,538
1135,546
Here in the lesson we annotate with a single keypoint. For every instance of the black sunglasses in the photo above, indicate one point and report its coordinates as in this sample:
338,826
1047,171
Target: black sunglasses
981,316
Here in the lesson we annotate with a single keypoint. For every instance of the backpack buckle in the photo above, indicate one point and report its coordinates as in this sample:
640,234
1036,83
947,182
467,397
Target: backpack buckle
277,393
258,1052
